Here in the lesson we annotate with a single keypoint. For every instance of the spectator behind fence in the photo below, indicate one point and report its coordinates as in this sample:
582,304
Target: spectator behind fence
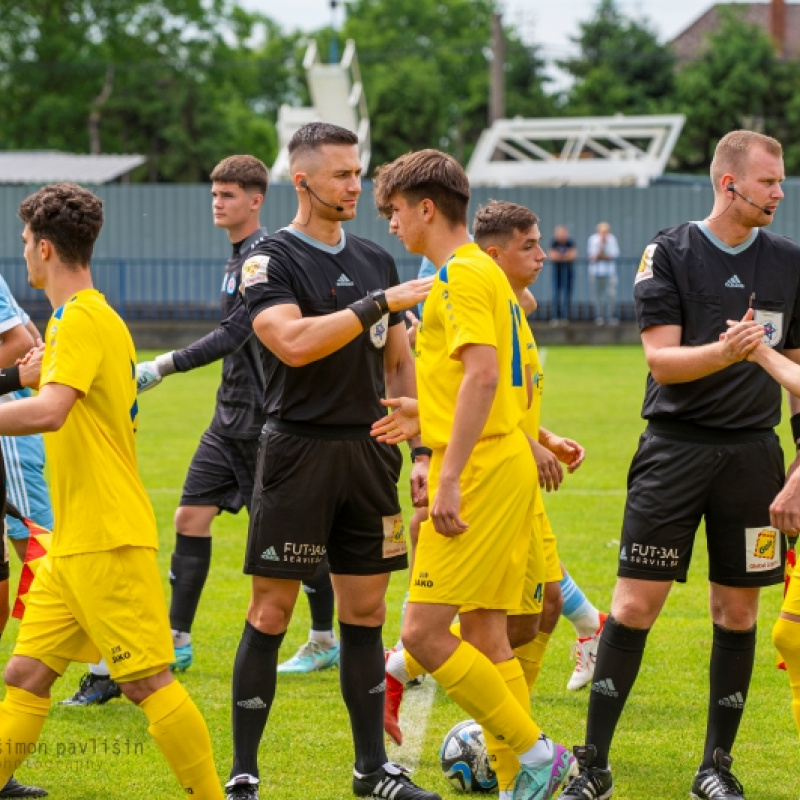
563,254
603,251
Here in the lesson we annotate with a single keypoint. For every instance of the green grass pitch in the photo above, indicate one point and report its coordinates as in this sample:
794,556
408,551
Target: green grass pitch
592,395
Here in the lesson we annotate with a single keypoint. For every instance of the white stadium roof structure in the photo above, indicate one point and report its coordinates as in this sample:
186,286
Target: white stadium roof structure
51,166
337,94
575,151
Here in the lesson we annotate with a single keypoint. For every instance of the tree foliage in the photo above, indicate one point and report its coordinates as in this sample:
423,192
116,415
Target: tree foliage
735,83
621,67
187,82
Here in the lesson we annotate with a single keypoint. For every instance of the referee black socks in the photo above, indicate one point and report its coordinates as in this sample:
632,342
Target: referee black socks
732,657
362,674
188,572
619,656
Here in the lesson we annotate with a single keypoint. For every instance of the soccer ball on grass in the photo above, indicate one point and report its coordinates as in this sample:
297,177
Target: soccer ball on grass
464,760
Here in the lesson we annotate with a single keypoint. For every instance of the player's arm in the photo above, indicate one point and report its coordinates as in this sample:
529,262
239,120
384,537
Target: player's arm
46,412
401,381
549,470
670,362
297,340
784,511
567,451
15,342
473,405
227,338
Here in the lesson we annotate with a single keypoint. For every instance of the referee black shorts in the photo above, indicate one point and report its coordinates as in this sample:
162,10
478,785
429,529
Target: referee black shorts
682,474
315,495
221,473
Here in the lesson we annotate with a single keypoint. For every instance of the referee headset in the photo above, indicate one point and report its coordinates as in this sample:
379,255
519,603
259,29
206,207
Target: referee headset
303,183
731,188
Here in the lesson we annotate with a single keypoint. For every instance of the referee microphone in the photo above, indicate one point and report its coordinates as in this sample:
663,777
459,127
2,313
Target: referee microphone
731,188
304,185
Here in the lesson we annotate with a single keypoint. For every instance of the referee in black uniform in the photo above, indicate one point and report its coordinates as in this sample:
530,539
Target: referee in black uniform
709,450
327,305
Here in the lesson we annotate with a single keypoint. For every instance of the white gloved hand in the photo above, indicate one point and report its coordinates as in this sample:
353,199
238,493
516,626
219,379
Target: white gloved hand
151,373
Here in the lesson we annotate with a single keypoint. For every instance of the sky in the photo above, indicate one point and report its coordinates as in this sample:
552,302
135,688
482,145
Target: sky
549,23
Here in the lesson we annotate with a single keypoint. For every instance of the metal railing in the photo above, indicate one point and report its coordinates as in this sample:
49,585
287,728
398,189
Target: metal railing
189,289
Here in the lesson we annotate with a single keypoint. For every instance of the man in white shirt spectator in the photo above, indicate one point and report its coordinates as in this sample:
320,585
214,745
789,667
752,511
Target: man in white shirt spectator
603,251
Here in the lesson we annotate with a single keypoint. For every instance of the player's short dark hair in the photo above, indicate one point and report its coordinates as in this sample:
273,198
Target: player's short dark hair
425,174
498,220
317,134
248,172
733,150
68,216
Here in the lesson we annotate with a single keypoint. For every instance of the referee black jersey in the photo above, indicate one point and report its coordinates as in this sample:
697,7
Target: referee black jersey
237,413
688,277
345,387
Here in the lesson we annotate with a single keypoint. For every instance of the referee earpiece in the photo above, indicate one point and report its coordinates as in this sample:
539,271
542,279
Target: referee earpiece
303,183
730,188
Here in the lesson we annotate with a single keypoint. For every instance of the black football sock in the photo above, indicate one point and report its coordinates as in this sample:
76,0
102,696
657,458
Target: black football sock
362,676
252,691
320,597
619,656
732,657
188,573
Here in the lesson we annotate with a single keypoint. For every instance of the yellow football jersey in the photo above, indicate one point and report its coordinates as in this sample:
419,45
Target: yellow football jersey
99,502
532,419
471,303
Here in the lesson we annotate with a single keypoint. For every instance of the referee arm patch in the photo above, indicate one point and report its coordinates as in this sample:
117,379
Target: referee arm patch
254,271
645,270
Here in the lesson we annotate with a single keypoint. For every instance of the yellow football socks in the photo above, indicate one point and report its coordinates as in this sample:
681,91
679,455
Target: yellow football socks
530,657
181,734
22,717
472,681
786,638
503,759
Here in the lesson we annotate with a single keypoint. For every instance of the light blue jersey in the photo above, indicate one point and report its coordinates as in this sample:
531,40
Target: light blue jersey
24,455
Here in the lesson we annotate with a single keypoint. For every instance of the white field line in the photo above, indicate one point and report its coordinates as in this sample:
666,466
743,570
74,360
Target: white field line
414,715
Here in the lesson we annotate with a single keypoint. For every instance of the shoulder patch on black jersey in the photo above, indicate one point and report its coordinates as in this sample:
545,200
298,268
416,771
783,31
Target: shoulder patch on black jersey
645,270
254,271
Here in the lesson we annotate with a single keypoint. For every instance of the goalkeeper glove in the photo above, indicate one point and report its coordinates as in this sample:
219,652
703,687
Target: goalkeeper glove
150,373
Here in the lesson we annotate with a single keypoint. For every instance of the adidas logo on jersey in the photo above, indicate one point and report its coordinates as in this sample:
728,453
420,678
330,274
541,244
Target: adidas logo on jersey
733,701
381,687
734,283
344,280
253,703
606,687
270,555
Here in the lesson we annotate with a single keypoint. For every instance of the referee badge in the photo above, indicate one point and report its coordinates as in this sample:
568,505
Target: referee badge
379,331
762,549
773,326
254,271
645,270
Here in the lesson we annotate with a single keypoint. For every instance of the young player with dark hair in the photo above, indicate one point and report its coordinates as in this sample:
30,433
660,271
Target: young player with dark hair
327,307
104,523
710,417
475,388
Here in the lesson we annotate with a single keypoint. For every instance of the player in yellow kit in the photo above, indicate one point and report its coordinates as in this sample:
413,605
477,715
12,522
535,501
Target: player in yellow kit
474,390
98,591
509,233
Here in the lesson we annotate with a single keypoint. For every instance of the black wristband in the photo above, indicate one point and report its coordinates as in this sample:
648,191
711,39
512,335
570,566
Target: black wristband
379,296
9,380
794,421
367,310
420,451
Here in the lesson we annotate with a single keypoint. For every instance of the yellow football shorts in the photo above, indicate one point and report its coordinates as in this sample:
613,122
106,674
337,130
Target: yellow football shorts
108,604
485,566
791,603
